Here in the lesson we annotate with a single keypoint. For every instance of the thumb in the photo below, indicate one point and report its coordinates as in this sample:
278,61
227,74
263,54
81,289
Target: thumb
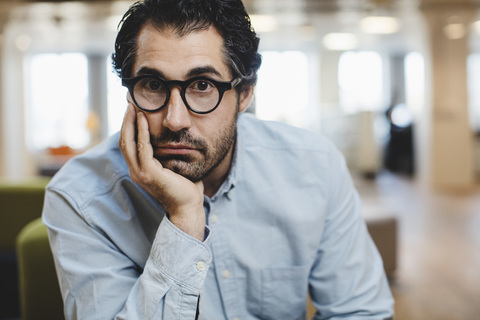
200,186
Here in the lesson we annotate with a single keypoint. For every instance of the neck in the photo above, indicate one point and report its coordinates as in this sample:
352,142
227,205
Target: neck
215,179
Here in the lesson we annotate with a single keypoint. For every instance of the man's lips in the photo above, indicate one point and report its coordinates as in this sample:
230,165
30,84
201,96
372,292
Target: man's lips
171,149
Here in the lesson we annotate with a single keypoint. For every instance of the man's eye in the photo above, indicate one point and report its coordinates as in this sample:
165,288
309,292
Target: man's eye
201,85
150,84
153,85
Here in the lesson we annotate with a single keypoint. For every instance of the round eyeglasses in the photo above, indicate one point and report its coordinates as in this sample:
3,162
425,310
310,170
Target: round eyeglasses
200,94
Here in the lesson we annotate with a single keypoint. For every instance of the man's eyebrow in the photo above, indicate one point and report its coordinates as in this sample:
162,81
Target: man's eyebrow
150,71
203,70
198,71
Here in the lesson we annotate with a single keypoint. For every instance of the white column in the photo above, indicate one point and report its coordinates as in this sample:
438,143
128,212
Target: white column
15,161
451,137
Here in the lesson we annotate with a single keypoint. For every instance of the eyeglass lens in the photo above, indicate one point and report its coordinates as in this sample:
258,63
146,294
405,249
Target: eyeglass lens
152,93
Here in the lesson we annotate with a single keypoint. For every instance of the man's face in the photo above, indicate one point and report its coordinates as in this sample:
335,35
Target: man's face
190,144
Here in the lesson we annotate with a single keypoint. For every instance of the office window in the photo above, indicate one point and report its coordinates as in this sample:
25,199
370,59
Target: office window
282,92
415,82
360,78
117,99
57,101
473,92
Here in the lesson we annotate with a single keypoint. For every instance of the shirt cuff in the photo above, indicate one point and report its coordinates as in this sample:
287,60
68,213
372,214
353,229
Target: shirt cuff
181,257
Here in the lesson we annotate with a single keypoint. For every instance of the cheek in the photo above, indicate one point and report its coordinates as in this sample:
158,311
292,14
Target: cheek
228,109
155,121
222,120
211,129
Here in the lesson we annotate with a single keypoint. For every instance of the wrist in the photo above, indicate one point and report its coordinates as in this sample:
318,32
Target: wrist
190,221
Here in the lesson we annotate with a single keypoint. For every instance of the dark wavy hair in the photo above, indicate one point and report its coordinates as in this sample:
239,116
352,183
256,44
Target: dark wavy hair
185,16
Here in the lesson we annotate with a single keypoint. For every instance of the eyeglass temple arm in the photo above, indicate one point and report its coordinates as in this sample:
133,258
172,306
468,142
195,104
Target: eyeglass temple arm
235,82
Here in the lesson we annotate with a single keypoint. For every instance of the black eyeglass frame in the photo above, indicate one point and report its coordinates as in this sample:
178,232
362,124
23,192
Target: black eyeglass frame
221,86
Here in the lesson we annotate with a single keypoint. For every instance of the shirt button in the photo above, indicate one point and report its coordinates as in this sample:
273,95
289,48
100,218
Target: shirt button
201,266
226,274
214,218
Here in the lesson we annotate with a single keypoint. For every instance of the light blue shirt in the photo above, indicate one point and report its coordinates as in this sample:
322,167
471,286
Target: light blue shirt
286,222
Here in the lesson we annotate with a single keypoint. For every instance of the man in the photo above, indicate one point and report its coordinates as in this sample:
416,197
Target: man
199,212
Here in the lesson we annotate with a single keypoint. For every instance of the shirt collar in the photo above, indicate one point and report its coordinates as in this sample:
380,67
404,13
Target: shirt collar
229,183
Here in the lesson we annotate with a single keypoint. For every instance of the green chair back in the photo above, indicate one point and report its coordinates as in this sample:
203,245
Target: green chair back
40,296
20,203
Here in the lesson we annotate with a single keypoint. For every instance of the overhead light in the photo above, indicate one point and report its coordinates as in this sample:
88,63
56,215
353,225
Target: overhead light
72,9
263,23
455,28
455,31
380,24
340,41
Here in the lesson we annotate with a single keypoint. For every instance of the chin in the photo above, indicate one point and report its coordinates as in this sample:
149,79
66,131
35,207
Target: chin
193,171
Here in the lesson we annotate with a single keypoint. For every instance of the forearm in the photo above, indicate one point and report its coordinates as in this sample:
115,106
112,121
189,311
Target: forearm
173,278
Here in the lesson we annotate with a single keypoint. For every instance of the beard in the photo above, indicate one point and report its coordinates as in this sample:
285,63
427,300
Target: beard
189,166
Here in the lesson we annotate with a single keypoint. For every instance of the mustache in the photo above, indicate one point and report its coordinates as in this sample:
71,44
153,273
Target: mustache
182,137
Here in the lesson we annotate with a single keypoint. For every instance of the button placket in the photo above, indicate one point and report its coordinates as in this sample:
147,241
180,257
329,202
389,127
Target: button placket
213,218
224,258
226,274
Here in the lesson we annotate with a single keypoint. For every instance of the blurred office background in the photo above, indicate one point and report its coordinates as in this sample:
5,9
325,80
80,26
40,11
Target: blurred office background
394,83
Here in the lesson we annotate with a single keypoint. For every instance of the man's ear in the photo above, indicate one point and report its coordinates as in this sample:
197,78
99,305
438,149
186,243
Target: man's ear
246,97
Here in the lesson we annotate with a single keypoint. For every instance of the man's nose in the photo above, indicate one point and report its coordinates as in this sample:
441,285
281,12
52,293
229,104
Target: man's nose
177,115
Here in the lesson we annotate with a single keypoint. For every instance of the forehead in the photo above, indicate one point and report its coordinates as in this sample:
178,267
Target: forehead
174,56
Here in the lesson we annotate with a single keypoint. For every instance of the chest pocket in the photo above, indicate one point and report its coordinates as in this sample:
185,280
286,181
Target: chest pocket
281,293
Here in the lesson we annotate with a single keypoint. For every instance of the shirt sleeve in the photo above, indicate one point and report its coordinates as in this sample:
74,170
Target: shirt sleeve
98,281
347,280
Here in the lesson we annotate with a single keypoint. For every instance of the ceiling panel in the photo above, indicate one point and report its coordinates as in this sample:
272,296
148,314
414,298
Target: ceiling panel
277,5
311,6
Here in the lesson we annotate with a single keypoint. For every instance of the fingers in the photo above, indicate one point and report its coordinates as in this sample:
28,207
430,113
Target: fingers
135,144
127,141
144,147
